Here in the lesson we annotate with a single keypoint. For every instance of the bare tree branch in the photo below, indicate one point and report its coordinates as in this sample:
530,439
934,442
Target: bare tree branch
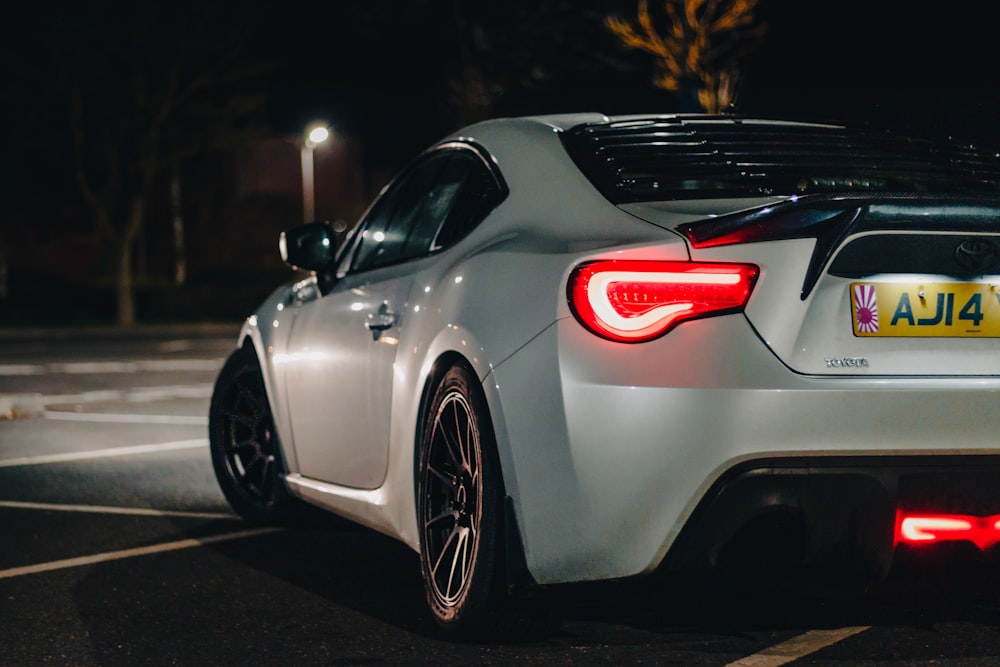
701,45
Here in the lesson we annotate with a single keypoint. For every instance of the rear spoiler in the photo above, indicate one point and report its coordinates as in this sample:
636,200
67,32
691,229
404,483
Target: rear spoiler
832,218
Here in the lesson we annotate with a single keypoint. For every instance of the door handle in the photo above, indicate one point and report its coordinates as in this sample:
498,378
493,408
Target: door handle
382,319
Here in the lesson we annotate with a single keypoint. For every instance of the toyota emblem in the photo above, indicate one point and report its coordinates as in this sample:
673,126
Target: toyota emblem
976,254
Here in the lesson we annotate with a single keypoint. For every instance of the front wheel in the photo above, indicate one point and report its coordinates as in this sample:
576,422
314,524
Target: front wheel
244,444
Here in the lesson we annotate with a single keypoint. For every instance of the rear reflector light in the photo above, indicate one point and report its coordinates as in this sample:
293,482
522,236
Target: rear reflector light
634,301
984,532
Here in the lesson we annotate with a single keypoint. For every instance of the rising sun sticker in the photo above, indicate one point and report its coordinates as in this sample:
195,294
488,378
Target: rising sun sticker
865,308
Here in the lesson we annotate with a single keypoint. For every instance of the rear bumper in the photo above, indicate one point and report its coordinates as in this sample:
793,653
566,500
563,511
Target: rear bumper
833,514
611,453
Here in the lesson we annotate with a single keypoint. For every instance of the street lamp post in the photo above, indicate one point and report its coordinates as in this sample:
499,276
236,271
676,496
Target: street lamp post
316,133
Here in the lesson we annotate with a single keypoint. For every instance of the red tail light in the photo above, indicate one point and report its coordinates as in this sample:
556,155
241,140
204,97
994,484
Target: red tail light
984,532
635,301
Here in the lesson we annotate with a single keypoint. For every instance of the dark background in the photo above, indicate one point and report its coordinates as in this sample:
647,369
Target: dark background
390,77
930,66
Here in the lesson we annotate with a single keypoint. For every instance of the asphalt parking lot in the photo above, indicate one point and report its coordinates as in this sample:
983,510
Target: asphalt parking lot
119,549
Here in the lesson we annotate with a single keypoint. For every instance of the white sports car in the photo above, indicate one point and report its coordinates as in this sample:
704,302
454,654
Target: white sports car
577,348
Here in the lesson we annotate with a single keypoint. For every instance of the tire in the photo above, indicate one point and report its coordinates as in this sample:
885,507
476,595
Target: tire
460,496
246,454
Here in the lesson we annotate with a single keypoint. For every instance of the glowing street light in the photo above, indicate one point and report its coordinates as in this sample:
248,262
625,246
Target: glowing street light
316,133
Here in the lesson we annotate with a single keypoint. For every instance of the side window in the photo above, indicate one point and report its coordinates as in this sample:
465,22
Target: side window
480,193
386,229
372,229
433,204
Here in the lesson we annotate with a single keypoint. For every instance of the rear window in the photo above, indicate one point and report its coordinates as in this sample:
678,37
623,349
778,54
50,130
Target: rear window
678,157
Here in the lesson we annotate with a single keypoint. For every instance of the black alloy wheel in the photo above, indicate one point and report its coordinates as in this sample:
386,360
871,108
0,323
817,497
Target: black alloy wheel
244,444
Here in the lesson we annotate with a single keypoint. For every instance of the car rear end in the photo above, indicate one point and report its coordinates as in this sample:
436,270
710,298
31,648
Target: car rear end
837,406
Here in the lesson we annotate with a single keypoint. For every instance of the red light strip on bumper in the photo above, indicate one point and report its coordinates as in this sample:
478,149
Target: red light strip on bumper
982,531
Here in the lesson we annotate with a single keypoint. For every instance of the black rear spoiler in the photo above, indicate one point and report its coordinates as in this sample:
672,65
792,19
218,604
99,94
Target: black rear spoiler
831,218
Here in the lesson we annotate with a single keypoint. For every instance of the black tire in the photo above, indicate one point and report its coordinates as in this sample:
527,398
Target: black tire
460,495
246,454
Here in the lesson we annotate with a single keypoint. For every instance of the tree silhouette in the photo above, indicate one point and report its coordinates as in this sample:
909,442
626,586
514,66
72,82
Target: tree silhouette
147,87
697,55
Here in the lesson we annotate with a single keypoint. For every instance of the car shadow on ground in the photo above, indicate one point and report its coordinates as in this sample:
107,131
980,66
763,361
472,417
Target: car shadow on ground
338,593
379,577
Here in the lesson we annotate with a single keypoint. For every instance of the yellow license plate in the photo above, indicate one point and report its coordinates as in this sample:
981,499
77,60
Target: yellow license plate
926,309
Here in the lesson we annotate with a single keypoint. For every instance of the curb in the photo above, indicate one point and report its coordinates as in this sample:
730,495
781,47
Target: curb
20,406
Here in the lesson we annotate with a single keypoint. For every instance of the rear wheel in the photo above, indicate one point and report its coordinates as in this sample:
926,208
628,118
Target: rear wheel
244,444
460,509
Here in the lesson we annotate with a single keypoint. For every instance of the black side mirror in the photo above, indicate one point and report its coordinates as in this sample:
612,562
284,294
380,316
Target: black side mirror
308,247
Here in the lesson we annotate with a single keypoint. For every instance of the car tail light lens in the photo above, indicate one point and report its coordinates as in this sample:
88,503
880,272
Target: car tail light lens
635,301
984,532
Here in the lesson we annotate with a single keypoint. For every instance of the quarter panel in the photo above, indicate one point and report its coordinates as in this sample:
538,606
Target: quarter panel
613,459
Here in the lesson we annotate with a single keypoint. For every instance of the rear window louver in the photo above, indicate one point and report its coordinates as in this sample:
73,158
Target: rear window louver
686,158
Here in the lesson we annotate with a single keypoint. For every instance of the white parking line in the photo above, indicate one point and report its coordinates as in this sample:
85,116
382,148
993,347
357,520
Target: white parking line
797,647
104,453
125,419
137,395
102,367
130,553
108,509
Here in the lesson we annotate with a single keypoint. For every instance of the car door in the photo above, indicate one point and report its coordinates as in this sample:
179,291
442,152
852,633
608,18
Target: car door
343,345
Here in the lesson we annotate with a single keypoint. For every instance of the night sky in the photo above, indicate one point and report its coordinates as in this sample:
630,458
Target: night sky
383,73
929,66
379,67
